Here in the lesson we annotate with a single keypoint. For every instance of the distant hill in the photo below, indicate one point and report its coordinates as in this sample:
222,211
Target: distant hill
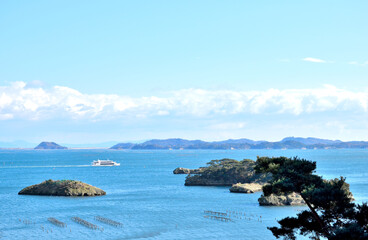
286,143
239,141
49,145
311,141
120,146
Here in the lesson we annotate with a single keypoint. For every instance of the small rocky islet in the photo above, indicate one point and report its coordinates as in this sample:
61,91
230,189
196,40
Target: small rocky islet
242,178
68,188
246,188
291,199
181,170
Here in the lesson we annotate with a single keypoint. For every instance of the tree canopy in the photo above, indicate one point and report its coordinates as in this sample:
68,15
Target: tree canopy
332,214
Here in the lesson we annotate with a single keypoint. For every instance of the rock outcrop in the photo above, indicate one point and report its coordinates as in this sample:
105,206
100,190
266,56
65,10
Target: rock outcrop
49,145
246,188
62,188
181,170
226,172
292,199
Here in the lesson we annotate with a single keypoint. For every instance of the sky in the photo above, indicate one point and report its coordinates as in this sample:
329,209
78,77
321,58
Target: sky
98,71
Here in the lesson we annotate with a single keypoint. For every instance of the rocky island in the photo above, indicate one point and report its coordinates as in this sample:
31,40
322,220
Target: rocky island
62,188
226,172
241,176
292,199
49,145
246,188
181,170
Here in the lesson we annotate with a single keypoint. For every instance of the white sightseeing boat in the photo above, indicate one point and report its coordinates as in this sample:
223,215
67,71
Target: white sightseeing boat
104,163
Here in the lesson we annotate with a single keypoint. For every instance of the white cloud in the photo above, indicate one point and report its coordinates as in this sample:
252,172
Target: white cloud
315,60
19,101
357,63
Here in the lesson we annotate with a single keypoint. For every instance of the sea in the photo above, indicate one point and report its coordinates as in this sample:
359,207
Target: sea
146,197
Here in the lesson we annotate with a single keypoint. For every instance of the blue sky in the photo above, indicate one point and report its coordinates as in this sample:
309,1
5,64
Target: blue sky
93,71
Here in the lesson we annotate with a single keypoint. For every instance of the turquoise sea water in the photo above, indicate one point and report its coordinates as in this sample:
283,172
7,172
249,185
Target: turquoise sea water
146,197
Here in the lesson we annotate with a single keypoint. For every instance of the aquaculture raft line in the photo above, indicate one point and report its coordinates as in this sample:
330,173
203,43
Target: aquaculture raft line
56,222
219,218
108,221
85,223
215,213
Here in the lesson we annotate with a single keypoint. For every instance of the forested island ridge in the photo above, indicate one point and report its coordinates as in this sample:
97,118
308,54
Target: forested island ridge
243,143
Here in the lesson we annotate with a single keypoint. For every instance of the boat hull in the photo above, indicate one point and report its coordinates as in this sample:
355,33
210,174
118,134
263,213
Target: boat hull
104,163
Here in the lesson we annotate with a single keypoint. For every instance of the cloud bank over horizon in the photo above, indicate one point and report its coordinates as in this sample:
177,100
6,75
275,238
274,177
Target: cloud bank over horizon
33,112
20,100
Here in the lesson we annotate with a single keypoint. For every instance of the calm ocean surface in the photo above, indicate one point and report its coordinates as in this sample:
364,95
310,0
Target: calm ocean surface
146,196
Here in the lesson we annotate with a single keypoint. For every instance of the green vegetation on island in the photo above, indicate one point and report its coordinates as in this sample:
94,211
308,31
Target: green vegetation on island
226,172
332,214
62,188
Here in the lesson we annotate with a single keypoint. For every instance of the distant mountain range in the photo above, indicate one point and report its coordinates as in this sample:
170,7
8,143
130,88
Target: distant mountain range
286,143
178,143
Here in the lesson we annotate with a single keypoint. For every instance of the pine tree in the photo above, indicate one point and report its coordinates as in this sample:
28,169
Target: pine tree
331,213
